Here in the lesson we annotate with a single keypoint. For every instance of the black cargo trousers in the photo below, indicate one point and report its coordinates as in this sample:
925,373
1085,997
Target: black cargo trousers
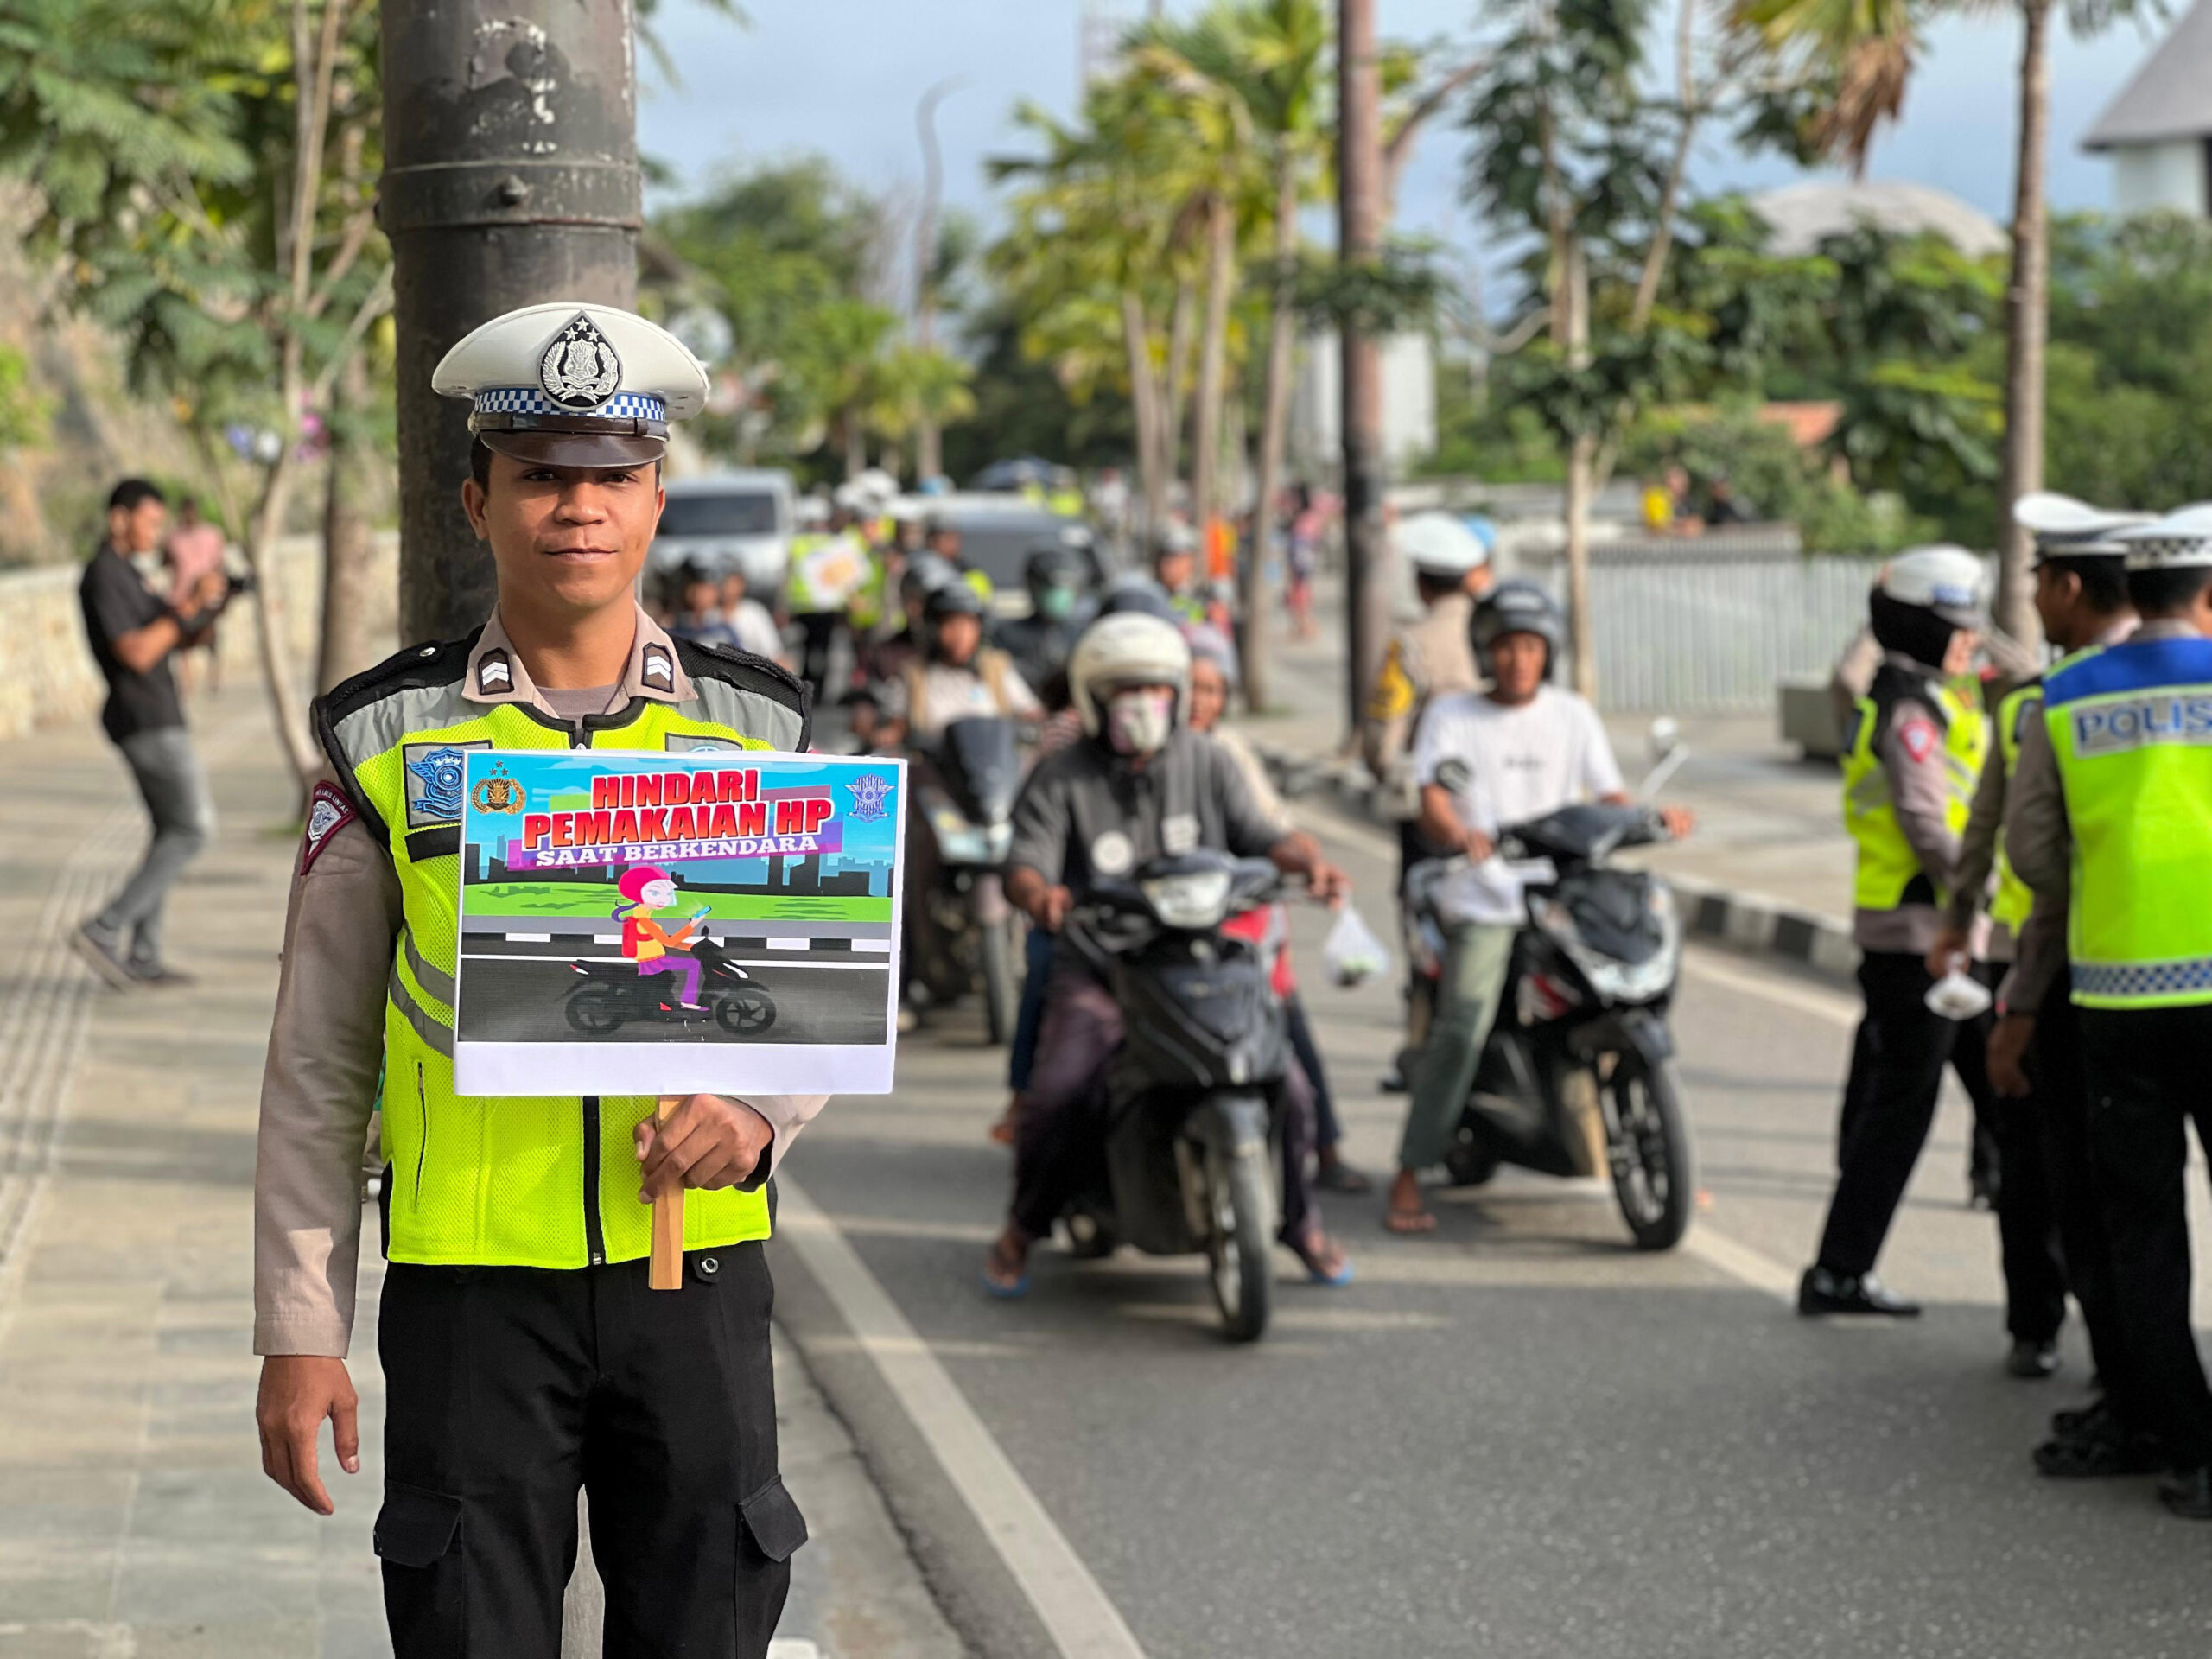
507,1389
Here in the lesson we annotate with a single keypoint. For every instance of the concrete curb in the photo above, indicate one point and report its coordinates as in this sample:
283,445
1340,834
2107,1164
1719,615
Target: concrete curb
1748,922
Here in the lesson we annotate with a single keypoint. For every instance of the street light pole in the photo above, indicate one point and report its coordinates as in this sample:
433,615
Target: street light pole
1359,241
510,178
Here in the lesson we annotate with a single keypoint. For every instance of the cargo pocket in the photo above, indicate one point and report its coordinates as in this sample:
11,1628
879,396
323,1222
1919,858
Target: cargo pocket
773,1521
425,1592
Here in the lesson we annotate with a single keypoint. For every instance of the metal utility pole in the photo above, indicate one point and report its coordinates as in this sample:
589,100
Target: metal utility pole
510,178
1359,241
929,450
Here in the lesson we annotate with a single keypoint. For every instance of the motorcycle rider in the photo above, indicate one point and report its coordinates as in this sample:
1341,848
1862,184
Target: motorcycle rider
1485,761
1432,658
1040,642
1915,751
957,675
1140,783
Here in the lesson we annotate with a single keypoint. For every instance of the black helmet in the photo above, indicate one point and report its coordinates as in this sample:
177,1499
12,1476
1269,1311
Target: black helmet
1518,607
1052,565
925,574
1140,593
954,598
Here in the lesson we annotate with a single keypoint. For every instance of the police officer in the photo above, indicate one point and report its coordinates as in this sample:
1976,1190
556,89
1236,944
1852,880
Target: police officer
1431,657
1915,753
1040,642
2124,844
2045,1210
524,1354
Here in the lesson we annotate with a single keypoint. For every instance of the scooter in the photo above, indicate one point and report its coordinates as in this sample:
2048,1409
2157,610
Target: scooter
1194,1095
966,795
1577,1074
610,995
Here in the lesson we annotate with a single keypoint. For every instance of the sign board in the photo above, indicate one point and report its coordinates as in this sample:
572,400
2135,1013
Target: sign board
715,920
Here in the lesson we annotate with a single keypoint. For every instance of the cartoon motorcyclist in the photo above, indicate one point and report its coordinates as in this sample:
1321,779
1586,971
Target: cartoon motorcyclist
655,950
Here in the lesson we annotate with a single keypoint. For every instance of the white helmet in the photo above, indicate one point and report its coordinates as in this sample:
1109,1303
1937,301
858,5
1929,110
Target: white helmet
1439,545
2183,538
1129,648
1944,578
876,487
2062,525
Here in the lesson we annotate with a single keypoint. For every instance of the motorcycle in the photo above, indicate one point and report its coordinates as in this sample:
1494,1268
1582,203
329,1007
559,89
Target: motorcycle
1194,1095
1577,1074
966,793
610,996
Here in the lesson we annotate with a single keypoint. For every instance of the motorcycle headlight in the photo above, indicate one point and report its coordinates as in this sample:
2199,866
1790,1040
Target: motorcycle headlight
1197,902
1612,979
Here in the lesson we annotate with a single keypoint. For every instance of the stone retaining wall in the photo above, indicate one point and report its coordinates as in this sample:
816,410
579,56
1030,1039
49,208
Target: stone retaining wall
48,676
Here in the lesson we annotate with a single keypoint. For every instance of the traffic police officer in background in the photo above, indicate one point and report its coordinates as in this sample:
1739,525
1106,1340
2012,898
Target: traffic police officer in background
2124,843
524,1354
2046,1213
1431,657
1914,756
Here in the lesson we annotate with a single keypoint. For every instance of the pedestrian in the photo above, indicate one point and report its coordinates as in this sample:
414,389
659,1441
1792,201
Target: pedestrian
1304,561
135,634
2124,843
1914,755
524,1356
2081,598
1431,657
748,618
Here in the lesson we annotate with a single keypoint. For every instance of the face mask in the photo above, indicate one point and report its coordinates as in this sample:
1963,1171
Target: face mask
1056,604
1137,722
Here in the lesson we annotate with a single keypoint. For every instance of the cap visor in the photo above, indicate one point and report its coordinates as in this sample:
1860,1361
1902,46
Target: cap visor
545,449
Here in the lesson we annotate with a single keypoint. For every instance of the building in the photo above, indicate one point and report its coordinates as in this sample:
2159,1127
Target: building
1408,405
1801,216
2159,131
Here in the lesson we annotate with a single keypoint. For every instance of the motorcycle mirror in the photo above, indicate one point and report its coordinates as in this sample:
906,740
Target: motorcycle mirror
1666,737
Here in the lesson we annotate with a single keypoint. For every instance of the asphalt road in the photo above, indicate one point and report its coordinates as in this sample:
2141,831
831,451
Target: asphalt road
1519,1437
518,993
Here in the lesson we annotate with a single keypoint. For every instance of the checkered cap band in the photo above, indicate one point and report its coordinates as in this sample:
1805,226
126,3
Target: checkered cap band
529,400
2131,981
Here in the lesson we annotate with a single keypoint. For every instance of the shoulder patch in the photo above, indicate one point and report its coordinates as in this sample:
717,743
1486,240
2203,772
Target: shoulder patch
329,812
1918,734
659,670
495,676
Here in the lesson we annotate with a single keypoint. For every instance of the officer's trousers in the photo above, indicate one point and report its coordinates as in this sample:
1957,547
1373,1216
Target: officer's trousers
2146,1082
506,1388
2061,1104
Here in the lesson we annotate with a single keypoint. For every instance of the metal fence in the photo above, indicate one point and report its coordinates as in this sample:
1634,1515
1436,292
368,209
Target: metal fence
1688,627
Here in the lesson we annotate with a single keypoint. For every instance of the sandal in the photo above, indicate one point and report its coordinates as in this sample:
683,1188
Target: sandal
1005,1277
1408,1222
1326,1264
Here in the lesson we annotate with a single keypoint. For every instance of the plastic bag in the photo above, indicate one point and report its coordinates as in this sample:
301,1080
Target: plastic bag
1959,996
1353,954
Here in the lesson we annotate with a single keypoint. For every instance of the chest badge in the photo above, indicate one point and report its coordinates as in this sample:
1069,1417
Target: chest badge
1112,854
434,781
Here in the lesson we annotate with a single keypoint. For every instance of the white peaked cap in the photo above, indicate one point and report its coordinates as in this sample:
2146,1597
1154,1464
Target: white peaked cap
573,384
1943,578
2061,524
1439,544
2182,538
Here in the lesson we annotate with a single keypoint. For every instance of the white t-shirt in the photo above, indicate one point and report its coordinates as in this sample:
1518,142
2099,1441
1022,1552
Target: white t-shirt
1522,763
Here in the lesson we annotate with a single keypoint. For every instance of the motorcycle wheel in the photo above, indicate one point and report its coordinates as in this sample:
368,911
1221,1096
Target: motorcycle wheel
746,1013
1089,1237
1648,1142
1001,979
595,1010
1237,1249
1470,1163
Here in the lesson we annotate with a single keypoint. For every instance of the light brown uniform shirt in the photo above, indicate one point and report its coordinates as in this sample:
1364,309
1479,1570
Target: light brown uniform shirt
326,1047
1918,770
1425,660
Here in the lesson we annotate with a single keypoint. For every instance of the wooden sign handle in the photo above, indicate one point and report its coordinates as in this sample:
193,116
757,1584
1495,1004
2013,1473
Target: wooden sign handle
668,1216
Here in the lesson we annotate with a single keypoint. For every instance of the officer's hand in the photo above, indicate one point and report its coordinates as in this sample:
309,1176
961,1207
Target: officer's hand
1950,942
708,1141
297,1392
2008,1045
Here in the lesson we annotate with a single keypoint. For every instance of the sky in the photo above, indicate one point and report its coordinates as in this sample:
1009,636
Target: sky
842,77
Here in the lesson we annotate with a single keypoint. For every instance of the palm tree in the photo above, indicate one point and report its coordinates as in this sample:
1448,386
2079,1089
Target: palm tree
1861,54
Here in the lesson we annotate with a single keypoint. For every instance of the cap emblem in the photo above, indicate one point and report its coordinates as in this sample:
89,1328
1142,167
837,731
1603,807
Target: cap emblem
580,369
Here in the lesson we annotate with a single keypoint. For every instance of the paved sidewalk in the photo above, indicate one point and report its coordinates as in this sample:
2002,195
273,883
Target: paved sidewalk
134,1517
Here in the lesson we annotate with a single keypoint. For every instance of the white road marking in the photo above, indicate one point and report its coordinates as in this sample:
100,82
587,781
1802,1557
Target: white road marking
791,944
1754,1267
1082,1619
1833,1006
742,961
872,944
530,938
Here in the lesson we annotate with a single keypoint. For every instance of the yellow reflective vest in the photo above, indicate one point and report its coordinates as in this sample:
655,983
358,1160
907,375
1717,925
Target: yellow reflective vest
1888,868
498,1180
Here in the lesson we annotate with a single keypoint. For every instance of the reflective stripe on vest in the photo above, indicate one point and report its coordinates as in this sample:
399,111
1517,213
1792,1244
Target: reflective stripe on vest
1887,867
498,1180
2014,901
2132,729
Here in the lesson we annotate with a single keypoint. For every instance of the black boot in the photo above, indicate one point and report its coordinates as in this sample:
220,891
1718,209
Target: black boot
1822,1292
